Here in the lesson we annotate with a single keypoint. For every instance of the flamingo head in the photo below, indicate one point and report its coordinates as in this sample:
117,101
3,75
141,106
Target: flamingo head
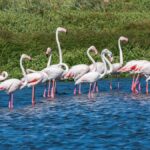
122,38
25,56
93,48
60,29
48,51
109,53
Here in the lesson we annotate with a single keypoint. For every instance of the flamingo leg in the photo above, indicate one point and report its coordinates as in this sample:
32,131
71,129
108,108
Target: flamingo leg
135,84
10,104
97,87
75,90
90,88
79,89
53,90
94,86
147,88
33,95
139,86
118,78
12,101
110,83
49,89
133,81
44,93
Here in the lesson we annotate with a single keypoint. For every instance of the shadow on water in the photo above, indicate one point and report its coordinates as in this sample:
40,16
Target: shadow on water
111,120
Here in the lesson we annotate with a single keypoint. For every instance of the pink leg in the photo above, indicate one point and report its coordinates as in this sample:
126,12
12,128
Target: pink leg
33,95
97,90
147,88
52,91
90,88
44,93
12,101
94,86
9,103
135,84
133,80
75,90
110,84
49,89
79,89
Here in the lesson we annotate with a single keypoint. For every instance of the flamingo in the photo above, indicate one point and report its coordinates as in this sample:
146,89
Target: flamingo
94,75
77,71
32,78
3,76
11,85
43,74
117,66
56,71
143,69
133,67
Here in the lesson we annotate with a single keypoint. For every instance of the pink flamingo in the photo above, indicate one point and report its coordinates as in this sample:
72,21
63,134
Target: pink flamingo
56,71
133,67
31,78
93,76
43,74
77,71
117,66
3,76
11,85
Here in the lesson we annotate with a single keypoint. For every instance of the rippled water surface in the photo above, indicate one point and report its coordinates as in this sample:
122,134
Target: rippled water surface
112,120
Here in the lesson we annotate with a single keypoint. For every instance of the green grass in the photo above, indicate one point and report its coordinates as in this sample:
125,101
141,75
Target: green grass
29,26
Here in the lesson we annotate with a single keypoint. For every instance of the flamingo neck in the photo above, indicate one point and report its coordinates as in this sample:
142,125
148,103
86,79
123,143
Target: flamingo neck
21,66
49,60
91,58
59,48
110,66
105,66
120,52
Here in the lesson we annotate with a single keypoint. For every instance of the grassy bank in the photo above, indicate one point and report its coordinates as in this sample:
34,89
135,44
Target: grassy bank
29,27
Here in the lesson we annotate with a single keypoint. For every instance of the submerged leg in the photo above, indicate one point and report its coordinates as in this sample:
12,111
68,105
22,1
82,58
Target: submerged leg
49,89
79,91
133,82
10,103
45,87
97,90
75,90
33,95
110,83
90,88
53,90
118,78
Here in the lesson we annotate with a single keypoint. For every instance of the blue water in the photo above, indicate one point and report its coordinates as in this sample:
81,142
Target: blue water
112,120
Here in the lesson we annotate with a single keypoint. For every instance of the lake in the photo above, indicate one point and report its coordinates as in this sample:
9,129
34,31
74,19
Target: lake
112,120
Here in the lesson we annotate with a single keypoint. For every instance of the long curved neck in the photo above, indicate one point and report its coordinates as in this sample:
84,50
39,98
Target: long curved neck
120,52
59,48
90,57
109,65
49,60
105,66
22,68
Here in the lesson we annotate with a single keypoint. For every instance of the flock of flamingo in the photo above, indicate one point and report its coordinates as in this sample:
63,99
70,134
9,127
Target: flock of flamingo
81,73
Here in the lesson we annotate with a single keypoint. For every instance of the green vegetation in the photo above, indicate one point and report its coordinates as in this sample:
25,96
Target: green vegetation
28,26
